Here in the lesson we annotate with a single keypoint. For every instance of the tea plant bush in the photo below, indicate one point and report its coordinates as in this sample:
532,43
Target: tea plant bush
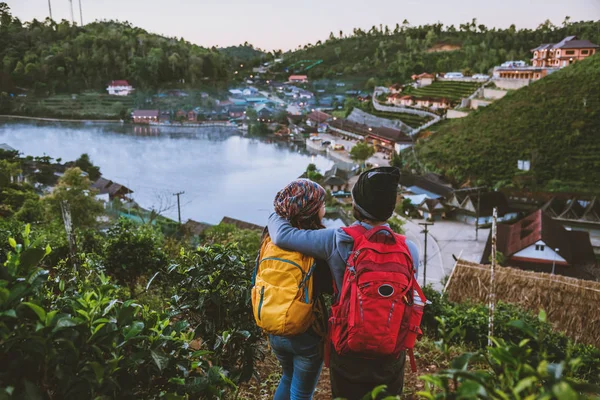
468,323
72,334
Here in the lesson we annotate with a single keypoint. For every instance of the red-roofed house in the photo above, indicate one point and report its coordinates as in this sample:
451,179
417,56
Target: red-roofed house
119,88
298,78
538,243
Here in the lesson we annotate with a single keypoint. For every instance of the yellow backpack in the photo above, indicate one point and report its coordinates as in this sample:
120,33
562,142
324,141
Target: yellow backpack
282,295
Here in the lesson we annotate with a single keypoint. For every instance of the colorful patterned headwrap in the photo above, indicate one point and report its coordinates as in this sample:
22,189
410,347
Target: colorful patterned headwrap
301,199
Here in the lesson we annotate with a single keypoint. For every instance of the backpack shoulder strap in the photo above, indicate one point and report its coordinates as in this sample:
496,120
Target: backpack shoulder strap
355,231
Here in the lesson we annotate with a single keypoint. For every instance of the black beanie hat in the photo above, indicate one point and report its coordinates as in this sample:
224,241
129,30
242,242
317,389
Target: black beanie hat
374,193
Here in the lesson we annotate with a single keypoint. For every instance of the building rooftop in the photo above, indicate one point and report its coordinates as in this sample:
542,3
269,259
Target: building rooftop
5,147
574,246
145,113
241,224
119,83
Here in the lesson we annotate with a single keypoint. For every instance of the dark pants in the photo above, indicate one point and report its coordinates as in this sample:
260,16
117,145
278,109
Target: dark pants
353,377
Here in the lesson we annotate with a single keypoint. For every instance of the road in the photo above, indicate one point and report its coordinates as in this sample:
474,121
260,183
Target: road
445,240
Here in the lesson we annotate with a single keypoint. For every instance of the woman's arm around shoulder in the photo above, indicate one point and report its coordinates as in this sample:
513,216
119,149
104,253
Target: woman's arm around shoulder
315,243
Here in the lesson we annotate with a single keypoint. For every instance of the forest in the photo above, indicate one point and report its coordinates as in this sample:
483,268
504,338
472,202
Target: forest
395,53
50,57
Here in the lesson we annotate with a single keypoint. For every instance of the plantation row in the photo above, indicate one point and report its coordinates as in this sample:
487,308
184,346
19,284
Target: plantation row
449,90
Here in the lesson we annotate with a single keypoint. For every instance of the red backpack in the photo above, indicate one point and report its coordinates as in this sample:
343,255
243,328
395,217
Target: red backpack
375,314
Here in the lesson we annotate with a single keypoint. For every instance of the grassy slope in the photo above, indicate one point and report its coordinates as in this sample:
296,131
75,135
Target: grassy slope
554,122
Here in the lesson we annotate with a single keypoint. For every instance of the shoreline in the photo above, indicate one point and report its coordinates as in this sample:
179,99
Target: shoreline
100,121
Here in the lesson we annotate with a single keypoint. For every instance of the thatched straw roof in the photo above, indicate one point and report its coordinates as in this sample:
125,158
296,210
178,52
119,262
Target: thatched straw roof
572,305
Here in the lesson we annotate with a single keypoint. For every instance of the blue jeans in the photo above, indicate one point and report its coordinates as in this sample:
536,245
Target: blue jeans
301,358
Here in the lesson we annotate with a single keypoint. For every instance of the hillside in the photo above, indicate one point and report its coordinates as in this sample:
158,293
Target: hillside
57,57
395,53
243,53
554,123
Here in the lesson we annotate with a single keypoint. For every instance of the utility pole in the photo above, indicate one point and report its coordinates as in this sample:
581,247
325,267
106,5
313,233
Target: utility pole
477,213
72,17
178,204
492,304
50,8
426,232
80,13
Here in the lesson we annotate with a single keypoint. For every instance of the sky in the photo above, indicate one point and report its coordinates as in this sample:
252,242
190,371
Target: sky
281,24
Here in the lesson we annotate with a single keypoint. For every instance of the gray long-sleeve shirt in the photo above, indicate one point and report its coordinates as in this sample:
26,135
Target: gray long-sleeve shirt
331,245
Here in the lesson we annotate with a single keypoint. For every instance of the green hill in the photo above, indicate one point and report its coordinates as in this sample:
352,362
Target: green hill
57,57
395,53
554,123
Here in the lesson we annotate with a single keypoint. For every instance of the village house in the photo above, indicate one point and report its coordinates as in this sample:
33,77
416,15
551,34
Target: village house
423,102
298,79
164,117
531,73
473,207
113,189
337,179
423,79
431,186
432,209
539,243
563,53
388,140
237,111
195,228
348,129
318,119
144,116
396,88
119,88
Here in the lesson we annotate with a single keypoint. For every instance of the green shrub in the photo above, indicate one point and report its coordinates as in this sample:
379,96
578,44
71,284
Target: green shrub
75,336
213,291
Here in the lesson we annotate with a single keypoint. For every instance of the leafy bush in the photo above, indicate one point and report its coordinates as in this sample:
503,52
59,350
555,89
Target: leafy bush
509,369
213,291
132,251
471,321
73,337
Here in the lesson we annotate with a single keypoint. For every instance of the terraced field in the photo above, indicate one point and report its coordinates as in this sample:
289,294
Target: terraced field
82,106
412,120
452,91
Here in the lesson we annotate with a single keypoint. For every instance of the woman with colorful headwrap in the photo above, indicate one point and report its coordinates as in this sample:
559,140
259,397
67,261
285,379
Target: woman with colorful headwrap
302,203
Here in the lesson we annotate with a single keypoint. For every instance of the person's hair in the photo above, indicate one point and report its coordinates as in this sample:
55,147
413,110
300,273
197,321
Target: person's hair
362,218
311,223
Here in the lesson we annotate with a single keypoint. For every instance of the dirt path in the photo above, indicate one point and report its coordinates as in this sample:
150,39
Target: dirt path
269,372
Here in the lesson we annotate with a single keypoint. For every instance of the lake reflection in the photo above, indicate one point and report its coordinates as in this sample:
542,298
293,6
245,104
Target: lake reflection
221,172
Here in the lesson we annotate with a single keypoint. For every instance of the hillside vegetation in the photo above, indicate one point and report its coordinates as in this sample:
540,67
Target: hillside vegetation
50,57
395,53
554,123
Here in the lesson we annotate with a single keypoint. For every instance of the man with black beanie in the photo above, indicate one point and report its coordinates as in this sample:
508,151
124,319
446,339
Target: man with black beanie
374,201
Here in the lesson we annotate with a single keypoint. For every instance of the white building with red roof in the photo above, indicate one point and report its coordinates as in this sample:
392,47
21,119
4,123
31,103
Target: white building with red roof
119,88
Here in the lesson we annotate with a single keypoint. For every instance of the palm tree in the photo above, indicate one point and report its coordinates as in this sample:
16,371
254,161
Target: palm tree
50,9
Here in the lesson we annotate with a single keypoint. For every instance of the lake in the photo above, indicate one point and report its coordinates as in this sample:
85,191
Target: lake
222,172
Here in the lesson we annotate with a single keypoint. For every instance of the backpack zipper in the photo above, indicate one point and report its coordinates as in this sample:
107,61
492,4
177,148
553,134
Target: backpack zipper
360,302
391,312
260,303
285,261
